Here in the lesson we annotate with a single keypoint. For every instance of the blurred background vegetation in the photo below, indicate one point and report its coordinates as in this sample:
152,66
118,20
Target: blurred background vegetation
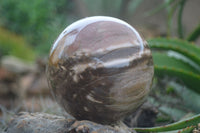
37,23
29,28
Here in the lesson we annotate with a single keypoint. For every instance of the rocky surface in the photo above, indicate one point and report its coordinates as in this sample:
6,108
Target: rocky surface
46,123
20,80
144,117
63,123
27,90
16,65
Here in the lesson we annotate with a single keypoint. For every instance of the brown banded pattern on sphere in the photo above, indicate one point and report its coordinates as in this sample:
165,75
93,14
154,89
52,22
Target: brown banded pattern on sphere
100,69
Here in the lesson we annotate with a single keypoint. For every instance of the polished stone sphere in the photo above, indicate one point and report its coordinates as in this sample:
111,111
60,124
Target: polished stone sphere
100,69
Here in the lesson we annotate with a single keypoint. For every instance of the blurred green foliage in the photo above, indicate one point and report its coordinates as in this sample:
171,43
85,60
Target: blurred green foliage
15,45
40,21
177,72
176,91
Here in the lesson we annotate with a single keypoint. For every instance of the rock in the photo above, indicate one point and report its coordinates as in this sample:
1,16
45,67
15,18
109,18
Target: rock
16,65
6,81
47,123
26,80
20,80
5,75
7,101
39,86
34,84
144,117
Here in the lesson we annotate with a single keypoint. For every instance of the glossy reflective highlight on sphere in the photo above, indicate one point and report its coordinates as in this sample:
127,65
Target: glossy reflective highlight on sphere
100,69
96,37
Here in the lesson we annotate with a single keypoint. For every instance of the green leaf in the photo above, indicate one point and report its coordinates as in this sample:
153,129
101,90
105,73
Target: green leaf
173,112
166,65
195,34
171,11
179,21
184,59
193,121
166,60
186,94
187,129
190,79
186,48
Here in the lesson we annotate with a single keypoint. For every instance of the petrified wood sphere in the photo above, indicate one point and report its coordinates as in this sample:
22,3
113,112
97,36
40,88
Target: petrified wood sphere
100,69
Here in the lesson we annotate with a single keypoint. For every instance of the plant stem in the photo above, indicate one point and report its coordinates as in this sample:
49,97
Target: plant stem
195,34
171,11
179,21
